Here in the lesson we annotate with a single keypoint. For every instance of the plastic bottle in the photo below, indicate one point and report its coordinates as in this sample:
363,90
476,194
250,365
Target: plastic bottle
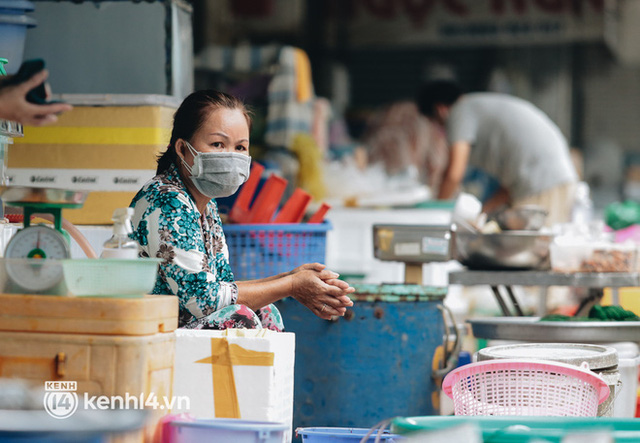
120,245
582,211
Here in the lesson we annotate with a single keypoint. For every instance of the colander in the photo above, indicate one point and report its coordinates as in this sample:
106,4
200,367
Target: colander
525,387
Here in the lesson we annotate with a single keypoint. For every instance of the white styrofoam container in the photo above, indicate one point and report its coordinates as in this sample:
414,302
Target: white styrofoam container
263,393
350,242
119,47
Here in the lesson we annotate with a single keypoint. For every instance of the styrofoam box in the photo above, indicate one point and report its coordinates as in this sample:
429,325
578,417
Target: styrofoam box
350,242
264,392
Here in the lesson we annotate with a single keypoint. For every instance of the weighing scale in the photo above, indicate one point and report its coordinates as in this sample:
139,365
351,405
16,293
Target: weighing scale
34,252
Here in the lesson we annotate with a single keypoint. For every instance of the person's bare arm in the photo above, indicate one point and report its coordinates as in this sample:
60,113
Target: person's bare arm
321,292
500,198
458,160
15,107
311,266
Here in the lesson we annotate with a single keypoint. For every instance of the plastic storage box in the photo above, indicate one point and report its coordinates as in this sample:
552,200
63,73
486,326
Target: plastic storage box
259,251
344,435
585,256
13,31
226,430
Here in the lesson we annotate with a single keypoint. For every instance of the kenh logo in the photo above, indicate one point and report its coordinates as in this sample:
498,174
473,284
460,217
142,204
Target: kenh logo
60,398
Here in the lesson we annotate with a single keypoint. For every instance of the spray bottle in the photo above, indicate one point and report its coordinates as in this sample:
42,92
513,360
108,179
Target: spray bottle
120,245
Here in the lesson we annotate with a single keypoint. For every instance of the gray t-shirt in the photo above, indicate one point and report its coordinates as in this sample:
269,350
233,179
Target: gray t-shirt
513,141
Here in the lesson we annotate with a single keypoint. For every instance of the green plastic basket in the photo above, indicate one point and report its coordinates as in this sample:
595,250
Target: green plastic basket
524,429
107,277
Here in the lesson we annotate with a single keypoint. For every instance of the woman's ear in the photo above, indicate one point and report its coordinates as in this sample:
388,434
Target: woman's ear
180,148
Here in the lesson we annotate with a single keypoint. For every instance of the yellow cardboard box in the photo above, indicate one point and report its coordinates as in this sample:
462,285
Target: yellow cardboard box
108,145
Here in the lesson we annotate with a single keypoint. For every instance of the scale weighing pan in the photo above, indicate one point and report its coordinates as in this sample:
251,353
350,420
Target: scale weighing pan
21,195
533,330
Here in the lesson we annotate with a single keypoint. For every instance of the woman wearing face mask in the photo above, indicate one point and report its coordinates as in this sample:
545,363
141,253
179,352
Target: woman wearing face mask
176,219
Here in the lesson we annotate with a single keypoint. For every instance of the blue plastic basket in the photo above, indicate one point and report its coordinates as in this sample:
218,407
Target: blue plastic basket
259,251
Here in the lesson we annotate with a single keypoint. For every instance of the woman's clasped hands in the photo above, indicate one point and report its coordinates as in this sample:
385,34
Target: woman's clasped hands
320,290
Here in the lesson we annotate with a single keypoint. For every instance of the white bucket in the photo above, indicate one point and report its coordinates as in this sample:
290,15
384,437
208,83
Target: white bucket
628,362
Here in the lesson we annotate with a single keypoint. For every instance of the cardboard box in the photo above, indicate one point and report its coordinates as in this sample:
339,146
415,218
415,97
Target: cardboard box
236,373
108,145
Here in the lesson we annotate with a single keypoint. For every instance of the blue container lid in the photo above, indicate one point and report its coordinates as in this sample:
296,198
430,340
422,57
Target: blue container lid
23,5
345,434
232,424
18,20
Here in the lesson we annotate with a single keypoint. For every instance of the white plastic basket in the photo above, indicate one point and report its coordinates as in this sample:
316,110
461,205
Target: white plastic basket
525,387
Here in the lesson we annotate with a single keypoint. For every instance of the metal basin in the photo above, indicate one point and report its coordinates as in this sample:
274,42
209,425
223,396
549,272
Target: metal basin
515,250
521,218
19,195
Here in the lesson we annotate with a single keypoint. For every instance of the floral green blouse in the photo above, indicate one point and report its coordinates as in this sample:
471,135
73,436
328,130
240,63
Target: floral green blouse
195,266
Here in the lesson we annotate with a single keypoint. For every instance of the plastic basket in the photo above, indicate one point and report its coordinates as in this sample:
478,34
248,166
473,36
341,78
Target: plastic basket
525,387
259,251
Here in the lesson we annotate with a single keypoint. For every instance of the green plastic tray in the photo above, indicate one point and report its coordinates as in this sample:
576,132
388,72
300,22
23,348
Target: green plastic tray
524,429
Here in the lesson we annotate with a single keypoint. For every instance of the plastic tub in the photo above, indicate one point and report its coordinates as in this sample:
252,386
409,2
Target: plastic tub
227,430
110,277
584,256
525,429
626,396
13,31
343,435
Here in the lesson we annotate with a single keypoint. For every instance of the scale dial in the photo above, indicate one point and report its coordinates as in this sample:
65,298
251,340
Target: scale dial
36,243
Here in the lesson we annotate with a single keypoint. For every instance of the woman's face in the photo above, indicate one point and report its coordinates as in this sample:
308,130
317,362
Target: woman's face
224,130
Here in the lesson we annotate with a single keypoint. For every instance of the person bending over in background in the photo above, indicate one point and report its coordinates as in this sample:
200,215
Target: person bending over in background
15,107
176,219
510,139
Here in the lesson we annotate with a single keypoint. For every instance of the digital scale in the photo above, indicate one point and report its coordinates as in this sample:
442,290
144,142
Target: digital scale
34,252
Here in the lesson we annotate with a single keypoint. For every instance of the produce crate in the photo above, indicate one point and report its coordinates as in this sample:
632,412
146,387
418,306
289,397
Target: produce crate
259,251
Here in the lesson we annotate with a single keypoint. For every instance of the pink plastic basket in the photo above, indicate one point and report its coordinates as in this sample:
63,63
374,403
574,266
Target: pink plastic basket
525,387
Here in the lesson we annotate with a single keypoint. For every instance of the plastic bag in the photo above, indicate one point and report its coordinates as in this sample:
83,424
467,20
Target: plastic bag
620,215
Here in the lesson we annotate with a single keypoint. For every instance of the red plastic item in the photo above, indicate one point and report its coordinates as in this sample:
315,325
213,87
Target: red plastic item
267,201
15,218
318,217
293,209
240,209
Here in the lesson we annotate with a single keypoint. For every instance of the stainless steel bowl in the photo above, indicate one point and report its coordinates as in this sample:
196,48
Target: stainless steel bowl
522,218
515,250
25,194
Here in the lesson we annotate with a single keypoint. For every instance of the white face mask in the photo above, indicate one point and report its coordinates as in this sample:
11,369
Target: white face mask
218,174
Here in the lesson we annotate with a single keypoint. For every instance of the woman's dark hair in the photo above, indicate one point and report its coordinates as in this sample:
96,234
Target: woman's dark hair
191,115
437,92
